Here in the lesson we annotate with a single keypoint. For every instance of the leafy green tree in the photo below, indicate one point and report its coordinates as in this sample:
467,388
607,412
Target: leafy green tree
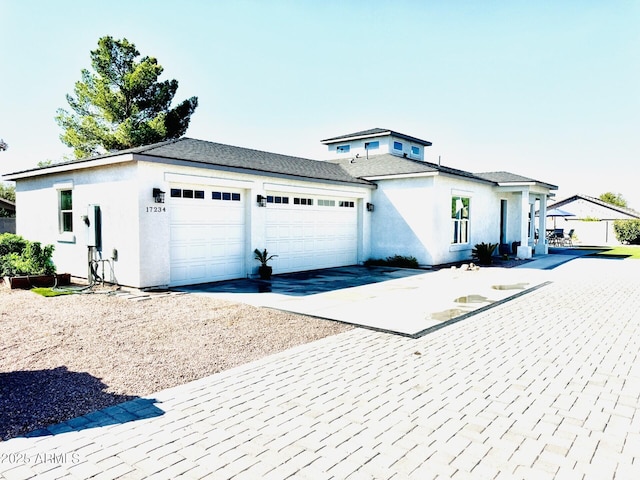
614,199
8,192
121,104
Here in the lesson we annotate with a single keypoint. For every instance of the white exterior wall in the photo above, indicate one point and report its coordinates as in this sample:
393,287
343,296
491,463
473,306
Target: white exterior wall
154,228
113,188
413,218
386,146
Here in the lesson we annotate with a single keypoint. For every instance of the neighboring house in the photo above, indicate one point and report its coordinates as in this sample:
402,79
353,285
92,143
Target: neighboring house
8,222
189,211
593,219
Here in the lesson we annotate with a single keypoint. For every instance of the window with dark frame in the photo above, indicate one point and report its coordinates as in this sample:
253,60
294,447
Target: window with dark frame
460,219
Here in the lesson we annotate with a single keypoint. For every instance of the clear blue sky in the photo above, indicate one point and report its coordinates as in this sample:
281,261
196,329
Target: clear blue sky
547,89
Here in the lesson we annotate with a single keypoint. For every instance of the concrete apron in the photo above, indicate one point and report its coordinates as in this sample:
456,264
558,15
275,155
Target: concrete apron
410,306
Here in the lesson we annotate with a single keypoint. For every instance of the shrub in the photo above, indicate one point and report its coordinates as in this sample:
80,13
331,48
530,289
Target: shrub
11,243
399,261
22,257
627,231
483,252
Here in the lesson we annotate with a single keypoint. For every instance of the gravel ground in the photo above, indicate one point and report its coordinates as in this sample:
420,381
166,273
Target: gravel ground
66,356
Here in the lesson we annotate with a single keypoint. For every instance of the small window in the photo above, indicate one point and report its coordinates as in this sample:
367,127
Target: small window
346,204
226,196
460,219
296,201
176,193
415,150
216,195
66,211
199,194
326,203
187,193
397,146
285,200
371,145
235,197
343,148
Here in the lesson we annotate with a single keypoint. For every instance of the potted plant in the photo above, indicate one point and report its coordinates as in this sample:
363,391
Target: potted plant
263,257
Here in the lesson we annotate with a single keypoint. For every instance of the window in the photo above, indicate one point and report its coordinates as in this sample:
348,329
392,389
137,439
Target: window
397,146
346,204
302,201
277,199
415,150
66,211
176,193
460,219
234,197
343,148
371,145
187,193
199,194
326,203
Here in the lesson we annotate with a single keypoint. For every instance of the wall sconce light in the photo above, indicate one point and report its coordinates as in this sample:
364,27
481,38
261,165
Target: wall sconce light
158,195
370,207
262,201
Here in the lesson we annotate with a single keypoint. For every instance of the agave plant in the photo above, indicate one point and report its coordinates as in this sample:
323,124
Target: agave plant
483,252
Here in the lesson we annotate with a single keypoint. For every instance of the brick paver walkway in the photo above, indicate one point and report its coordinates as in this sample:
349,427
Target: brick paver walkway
544,386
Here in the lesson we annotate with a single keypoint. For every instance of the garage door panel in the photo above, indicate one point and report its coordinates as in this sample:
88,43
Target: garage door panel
207,237
311,236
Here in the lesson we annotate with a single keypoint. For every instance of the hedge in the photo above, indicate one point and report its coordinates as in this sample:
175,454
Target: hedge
627,231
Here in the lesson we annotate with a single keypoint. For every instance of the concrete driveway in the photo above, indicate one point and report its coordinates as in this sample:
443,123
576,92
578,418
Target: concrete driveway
402,301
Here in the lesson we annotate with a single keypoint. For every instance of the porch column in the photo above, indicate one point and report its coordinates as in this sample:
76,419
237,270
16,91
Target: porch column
532,222
524,250
542,248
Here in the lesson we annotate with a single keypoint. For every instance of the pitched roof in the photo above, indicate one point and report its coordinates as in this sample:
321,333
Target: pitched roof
7,205
217,154
388,165
375,132
627,211
502,178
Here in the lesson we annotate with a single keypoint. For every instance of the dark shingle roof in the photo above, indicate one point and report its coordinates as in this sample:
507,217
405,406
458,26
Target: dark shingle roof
375,132
226,155
211,153
387,164
508,177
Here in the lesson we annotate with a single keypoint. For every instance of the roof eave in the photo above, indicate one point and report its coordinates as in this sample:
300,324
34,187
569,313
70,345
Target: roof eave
75,165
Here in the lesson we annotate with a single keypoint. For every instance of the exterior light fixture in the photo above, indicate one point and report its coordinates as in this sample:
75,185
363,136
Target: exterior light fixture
370,207
158,195
262,201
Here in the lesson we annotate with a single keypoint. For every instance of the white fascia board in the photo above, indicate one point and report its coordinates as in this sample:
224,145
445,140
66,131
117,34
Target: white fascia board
402,175
68,167
206,180
359,137
283,187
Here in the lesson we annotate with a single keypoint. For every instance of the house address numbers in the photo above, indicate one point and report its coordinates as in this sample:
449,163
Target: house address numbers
156,209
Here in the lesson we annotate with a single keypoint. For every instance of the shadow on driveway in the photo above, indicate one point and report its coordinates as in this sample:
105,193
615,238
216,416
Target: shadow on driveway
309,282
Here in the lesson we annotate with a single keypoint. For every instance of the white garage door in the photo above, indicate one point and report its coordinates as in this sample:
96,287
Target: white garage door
309,232
207,234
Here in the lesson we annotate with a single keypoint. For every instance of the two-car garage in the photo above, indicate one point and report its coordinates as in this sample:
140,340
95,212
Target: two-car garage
211,232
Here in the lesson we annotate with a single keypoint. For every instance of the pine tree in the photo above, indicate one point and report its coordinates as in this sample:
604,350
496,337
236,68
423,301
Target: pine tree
121,104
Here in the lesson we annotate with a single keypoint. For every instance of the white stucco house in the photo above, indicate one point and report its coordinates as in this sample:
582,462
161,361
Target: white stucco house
190,211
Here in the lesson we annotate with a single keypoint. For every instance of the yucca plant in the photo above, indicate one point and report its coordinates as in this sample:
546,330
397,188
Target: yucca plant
483,252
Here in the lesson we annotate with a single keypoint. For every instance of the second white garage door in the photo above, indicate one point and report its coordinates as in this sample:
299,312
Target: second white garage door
309,232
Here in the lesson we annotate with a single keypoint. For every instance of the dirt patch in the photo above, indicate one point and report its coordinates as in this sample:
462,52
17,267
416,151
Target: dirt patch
66,356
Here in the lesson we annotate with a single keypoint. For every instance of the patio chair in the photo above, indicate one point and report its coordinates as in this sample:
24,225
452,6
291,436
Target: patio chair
567,239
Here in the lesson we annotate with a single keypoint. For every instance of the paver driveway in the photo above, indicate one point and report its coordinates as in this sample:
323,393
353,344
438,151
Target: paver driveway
544,386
